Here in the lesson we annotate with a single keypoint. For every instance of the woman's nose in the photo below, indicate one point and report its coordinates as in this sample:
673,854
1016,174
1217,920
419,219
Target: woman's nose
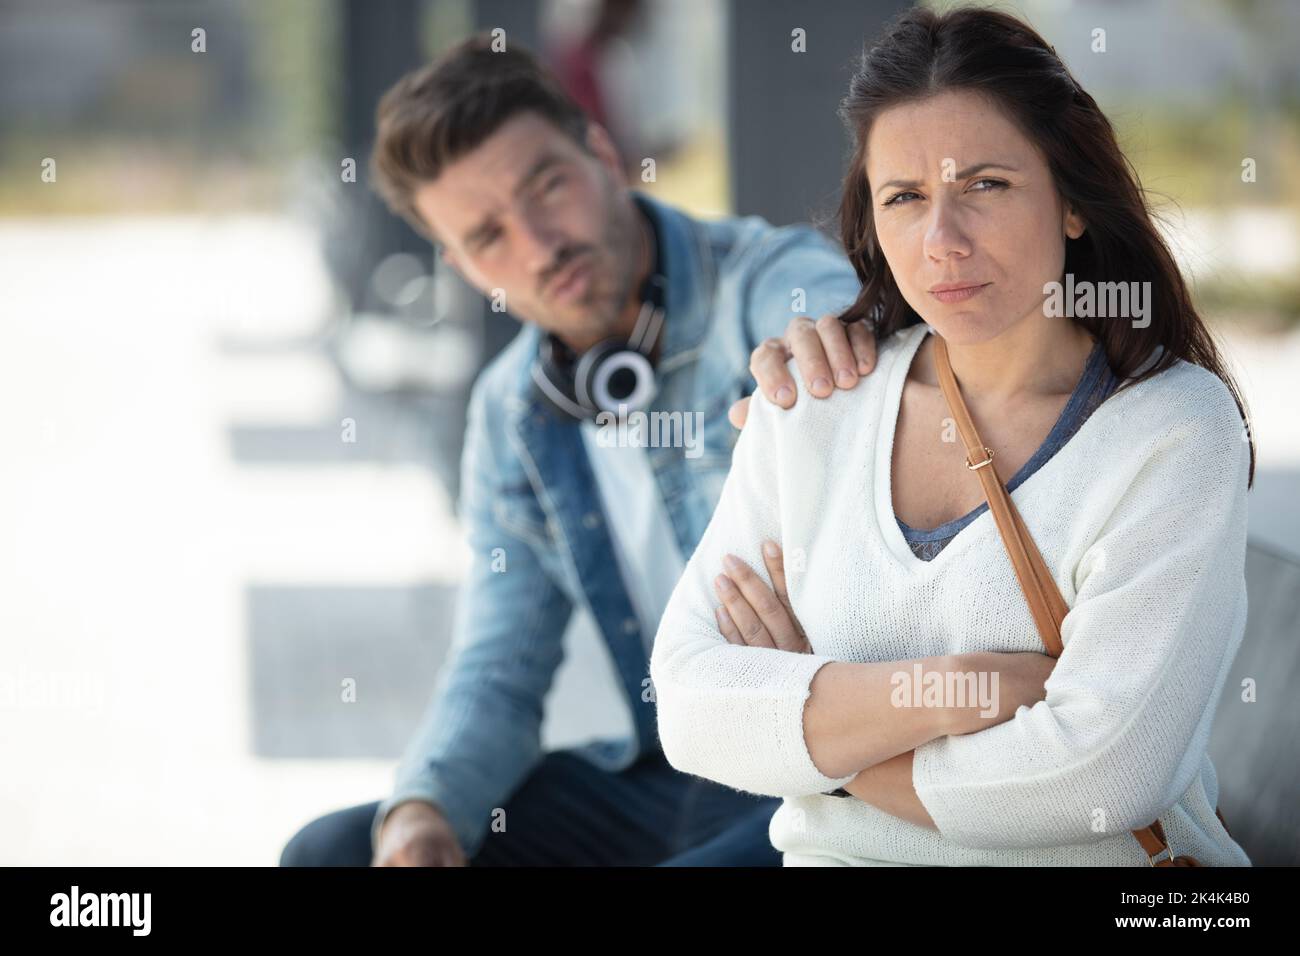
944,235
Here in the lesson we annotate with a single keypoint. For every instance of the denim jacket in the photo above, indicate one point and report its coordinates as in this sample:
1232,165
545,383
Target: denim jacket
536,530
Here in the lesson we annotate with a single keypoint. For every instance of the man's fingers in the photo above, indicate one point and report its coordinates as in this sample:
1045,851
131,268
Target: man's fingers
751,627
739,413
773,614
809,355
827,354
863,341
839,351
767,365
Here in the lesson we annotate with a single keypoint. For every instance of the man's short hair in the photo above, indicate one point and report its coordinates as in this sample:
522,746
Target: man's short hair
441,111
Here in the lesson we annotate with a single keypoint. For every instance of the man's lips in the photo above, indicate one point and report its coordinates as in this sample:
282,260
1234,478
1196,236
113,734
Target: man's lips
569,277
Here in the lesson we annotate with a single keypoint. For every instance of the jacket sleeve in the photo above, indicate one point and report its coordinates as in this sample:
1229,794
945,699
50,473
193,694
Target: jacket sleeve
481,733
1159,613
729,713
798,272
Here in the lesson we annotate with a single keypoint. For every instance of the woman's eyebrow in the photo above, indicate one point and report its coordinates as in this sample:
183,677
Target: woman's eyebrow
960,174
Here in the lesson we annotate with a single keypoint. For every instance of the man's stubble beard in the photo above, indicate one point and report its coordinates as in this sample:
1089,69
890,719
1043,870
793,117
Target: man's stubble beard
617,259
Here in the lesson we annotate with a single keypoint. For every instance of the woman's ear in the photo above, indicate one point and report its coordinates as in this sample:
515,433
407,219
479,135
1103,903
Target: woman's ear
1074,224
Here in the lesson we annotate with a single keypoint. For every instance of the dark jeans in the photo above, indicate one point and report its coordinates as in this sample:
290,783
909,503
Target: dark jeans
570,813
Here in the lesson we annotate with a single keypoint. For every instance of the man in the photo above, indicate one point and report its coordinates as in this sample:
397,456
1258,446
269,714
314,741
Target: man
524,197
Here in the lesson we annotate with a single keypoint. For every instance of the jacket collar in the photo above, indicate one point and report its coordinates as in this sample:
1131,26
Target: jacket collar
689,270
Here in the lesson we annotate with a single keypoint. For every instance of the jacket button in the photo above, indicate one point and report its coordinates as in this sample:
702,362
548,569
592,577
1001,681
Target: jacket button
591,519
630,625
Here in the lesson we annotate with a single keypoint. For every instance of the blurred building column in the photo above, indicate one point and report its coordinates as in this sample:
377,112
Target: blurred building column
380,42
787,147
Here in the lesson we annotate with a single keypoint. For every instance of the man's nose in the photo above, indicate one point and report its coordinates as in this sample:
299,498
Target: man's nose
538,243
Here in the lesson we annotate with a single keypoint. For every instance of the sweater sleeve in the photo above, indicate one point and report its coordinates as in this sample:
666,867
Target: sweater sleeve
1160,610
729,713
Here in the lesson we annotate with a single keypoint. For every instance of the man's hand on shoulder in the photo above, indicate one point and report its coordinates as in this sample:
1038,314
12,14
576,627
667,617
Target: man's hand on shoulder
824,351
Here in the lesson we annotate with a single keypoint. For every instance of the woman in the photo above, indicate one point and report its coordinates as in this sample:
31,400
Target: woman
982,176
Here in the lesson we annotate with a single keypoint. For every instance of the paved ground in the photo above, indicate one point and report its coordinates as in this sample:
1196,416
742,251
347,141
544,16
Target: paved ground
192,562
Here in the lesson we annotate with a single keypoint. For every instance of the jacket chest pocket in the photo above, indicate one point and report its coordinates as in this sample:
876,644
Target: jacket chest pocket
516,510
701,465
717,436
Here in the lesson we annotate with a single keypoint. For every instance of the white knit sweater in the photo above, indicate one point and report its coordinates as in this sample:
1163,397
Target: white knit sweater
1141,518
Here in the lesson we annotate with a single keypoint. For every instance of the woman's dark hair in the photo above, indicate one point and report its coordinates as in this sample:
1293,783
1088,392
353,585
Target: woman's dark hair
923,53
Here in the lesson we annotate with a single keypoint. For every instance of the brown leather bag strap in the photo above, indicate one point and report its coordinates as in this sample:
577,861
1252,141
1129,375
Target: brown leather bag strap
1045,602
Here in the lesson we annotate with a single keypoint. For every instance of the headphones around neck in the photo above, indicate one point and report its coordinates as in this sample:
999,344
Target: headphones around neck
614,372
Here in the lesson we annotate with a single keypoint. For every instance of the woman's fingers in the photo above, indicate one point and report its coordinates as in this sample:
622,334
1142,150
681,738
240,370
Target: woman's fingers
761,601
775,562
727,626
748,624
774,558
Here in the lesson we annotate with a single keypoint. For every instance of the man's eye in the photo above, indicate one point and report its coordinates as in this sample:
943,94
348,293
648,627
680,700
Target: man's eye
993,184
489,238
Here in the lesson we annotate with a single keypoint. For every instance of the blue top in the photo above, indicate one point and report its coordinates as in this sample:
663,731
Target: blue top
1096,383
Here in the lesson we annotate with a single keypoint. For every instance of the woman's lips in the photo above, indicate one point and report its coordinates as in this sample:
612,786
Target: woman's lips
960,295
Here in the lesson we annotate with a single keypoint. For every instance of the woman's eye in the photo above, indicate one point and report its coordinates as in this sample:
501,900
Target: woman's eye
991,184
897,197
